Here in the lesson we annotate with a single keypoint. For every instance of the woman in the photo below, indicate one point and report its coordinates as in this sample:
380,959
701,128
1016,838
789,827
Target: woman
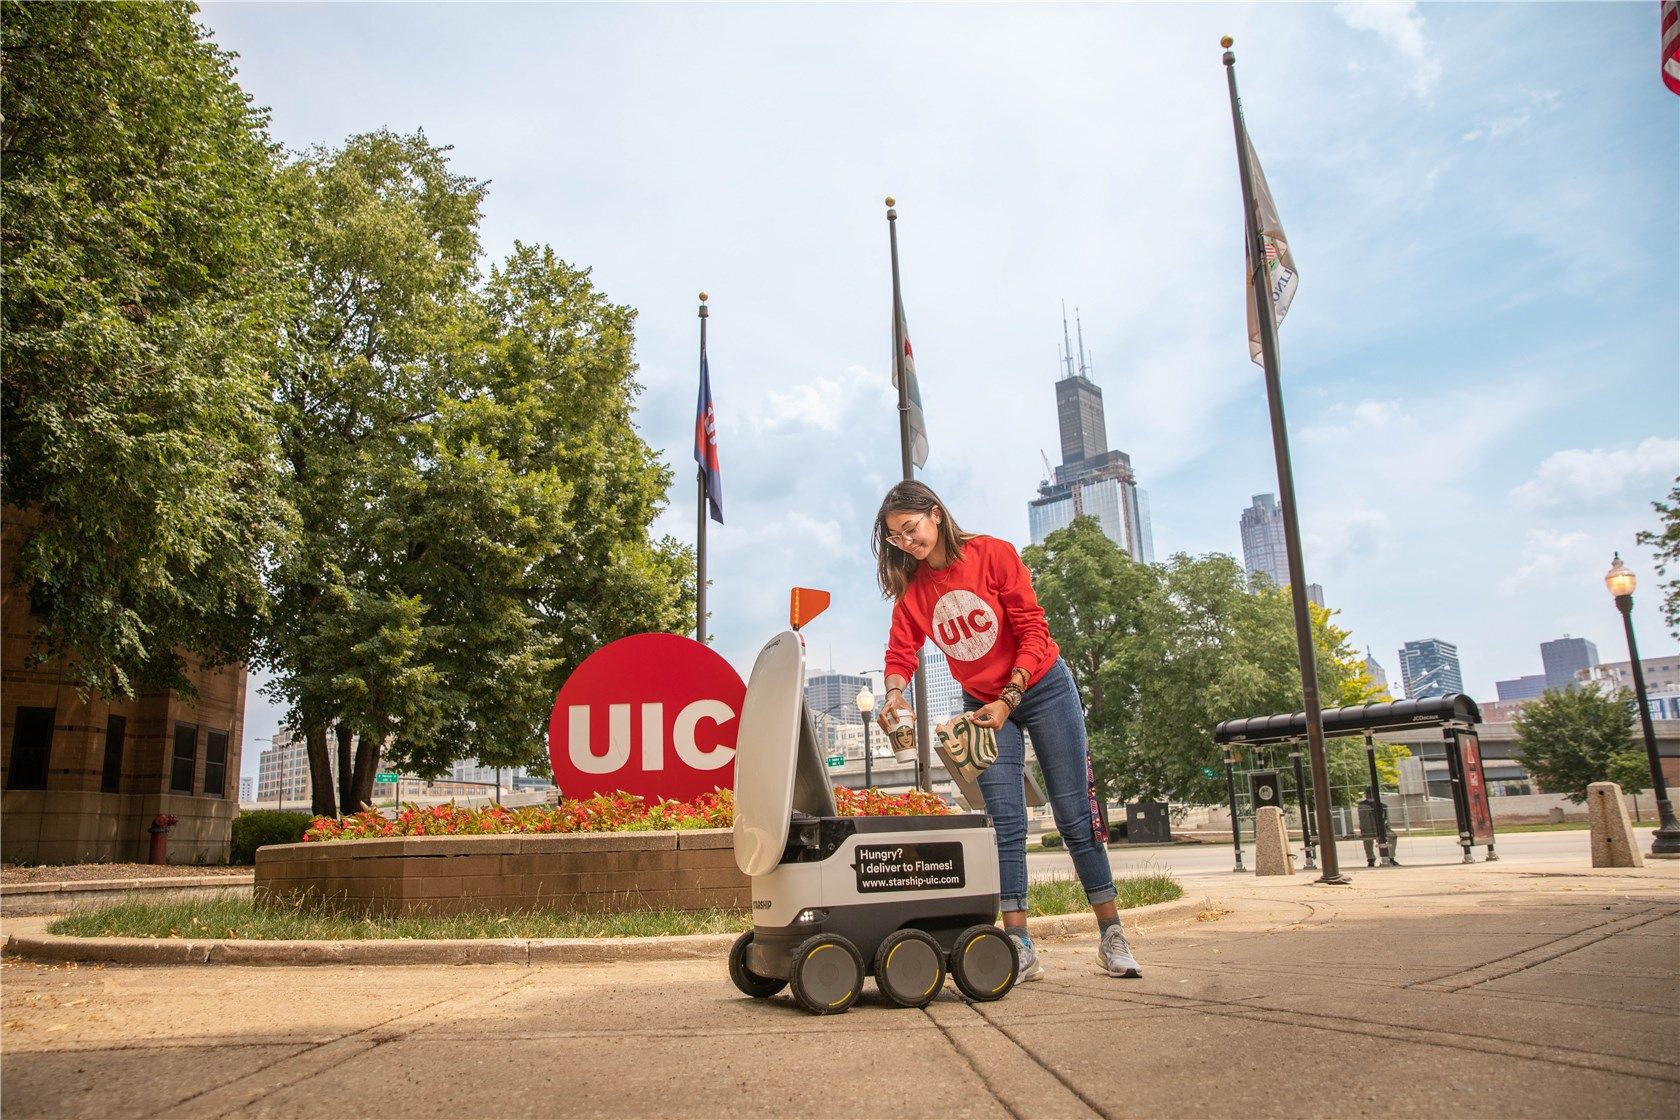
974,597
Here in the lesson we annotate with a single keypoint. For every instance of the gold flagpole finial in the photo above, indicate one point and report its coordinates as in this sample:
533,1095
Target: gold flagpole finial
891,201
704,297
1226,42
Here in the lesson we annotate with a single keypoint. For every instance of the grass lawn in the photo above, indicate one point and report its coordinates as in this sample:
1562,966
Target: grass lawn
239,919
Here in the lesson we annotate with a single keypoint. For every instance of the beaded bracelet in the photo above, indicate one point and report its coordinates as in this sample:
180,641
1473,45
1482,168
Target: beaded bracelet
1011,695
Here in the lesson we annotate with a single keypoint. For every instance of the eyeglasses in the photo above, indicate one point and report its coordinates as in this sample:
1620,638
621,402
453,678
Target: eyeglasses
901,539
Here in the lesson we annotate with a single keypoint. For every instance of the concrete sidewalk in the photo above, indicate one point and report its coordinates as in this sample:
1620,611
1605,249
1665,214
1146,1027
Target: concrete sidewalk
1474,991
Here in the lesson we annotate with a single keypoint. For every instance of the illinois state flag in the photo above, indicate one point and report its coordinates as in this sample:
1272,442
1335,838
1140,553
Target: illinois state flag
705,444
1281,276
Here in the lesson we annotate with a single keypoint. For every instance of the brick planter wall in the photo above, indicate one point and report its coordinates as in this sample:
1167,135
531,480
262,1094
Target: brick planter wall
510,873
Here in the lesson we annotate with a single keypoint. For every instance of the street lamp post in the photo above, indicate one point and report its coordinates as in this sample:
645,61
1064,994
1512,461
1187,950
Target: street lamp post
866,704
1665,844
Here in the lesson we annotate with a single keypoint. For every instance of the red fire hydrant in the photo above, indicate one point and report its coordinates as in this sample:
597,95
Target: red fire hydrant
161,824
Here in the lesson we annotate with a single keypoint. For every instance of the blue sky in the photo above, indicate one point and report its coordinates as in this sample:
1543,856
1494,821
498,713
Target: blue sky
1480,365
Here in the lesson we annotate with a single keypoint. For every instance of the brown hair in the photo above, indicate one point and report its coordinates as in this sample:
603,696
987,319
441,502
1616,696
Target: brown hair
895,569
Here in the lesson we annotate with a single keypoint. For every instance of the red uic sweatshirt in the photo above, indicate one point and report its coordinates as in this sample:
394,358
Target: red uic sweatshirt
981,611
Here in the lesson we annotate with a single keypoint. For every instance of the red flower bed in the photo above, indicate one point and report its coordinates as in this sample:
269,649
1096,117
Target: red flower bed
616,812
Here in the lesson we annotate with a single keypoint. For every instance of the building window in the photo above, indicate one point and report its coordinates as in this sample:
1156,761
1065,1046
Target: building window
215,764
32,730
186,758
110,780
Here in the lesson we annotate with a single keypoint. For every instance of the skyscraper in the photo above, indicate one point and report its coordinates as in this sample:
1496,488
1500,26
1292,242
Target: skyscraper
1379,676
1262,540
1429,667
833,696
1564,658
1092,480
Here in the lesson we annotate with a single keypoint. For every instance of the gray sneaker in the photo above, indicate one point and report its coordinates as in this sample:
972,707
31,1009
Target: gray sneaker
1027,966
1115,955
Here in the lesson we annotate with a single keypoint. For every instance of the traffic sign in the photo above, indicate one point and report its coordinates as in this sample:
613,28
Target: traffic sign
385,777
836,760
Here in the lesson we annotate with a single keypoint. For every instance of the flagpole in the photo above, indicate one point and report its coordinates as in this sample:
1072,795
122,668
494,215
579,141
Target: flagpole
1263,313
700,513
924,759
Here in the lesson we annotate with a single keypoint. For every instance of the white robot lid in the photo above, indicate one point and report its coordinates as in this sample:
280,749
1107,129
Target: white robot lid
777,768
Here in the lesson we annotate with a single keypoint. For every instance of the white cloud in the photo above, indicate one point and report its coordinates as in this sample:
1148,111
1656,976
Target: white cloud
821,403
1577,475
1511,123
1551,557
1400,25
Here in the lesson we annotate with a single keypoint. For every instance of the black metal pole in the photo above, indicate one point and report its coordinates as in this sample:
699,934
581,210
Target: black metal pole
868,755
924,759
1231,795
1301,807
1379,808
1665,842
700,511
1286,492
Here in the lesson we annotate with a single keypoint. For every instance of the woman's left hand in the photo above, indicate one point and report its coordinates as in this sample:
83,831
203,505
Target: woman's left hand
992,715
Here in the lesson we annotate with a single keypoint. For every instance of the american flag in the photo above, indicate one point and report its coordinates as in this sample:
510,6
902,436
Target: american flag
1671,44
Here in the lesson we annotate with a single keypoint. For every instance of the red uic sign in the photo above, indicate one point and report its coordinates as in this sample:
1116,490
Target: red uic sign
653,714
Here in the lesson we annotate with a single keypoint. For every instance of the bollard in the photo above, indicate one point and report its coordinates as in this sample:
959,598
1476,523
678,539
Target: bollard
1271,843
1612,834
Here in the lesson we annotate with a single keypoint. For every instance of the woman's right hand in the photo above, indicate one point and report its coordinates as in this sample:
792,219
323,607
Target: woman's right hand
893,706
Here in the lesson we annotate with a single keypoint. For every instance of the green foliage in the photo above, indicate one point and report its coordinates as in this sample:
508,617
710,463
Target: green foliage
1163,653
1666,544
254,829
1066,895
1051,839
142,289
475,498
1569,739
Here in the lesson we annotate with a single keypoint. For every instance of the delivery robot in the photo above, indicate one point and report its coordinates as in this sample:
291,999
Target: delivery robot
904,899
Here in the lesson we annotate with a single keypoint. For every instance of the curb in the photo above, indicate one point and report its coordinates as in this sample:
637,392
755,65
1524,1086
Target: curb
34,943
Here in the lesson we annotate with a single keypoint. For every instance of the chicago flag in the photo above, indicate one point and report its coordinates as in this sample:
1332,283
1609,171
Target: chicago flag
705,444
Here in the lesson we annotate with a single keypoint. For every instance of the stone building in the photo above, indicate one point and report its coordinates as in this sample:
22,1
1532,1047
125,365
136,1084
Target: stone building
83,780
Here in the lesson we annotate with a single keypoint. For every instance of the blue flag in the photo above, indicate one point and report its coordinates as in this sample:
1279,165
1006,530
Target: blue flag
705,444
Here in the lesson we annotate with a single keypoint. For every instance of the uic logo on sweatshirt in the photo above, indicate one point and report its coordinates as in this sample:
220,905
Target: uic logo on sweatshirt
963,625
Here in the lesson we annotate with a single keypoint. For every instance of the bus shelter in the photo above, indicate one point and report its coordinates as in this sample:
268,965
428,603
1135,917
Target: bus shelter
1455,714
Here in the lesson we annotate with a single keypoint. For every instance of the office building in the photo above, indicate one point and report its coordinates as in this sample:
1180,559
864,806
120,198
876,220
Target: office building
1264,550
85,774
1429,667
1567,661
283,770
247,786
1092,480
1662,674
1378,675
1263,541
833,696
944,695
1521,688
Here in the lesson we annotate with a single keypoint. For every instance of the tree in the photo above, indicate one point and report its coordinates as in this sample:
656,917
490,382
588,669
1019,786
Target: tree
385,241
1163,653
475,500
1568,739
142,285
1666,544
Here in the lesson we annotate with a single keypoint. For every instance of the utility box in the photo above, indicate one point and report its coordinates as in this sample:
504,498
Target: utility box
1147,822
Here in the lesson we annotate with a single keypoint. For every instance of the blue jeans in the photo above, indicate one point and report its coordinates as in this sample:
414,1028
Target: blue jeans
1052,714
